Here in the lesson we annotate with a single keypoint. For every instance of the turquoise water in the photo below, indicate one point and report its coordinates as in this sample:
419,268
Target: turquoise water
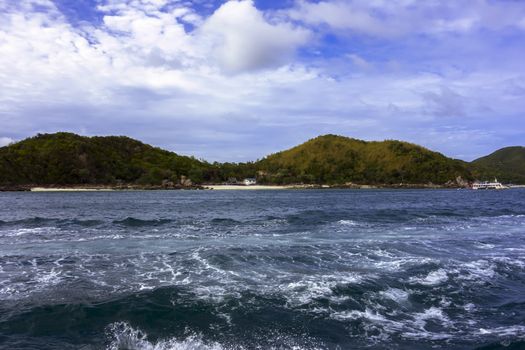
315,269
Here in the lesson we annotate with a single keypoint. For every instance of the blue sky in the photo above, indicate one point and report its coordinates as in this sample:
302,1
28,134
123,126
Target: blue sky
236,80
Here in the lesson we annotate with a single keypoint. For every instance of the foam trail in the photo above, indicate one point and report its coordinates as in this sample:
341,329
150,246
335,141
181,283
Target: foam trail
125,337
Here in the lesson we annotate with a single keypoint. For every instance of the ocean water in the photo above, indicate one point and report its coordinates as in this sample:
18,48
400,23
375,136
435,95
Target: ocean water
314,269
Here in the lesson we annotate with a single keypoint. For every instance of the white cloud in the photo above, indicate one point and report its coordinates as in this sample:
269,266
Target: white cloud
342,15
522,23
137,49
146,5
445,103
242,39
393,18
54,76
231,89
359,61
4,141
146,37
235,38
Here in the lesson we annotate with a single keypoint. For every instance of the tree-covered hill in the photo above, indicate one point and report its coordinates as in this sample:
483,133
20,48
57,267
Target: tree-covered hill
507,164
66,158
69,159
335,159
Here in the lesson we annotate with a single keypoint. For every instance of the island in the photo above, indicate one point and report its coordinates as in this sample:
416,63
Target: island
68,161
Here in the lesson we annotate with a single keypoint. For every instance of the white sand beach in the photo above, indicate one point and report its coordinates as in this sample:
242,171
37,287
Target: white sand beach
58,189
252,187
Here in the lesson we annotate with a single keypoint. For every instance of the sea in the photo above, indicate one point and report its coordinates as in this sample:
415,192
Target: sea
287,269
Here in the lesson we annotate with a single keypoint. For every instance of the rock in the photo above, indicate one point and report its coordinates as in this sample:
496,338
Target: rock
185,181
462,182
450,183
14,188
167,184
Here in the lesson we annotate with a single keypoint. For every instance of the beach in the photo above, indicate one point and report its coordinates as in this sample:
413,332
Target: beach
253,187
70,189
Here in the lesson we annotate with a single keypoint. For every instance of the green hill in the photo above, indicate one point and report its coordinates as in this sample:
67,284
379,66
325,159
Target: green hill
69,159
507,164
65,158
337,160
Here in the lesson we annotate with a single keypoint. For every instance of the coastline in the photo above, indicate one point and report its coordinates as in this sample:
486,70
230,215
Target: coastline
204,187
65,189
251,187
222,187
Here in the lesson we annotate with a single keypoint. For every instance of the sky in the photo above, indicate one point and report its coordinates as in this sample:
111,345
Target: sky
237,80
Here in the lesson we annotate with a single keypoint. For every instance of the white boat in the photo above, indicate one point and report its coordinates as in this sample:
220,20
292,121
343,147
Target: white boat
485,185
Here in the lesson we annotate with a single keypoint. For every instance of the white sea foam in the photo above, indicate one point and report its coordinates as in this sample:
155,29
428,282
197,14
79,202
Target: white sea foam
434,313
49,278
422,334
433,278
9,292
416,327
395,294
481,245
469,307
411,326
368,314
126,337
18,232
515,249
480,270
26,231
348,223
508,331
376,325
383,253
518,262
309,288
400,263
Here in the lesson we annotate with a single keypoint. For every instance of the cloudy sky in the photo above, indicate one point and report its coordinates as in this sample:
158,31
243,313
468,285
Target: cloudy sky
235,80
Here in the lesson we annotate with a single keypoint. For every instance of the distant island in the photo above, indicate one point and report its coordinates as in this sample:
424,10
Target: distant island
69,160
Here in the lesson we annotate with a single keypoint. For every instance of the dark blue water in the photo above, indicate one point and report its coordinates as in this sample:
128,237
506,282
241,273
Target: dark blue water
379,269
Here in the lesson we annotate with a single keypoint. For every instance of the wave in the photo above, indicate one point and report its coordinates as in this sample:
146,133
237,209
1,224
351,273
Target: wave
125,337
224,222
307,221
322,217
181,318
45,222
135,222
432,278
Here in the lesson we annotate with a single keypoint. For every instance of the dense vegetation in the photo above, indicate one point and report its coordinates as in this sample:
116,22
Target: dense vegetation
507,164
65,158
69,159
335,159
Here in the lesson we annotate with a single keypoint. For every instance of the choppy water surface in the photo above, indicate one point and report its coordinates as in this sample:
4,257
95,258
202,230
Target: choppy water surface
379,269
